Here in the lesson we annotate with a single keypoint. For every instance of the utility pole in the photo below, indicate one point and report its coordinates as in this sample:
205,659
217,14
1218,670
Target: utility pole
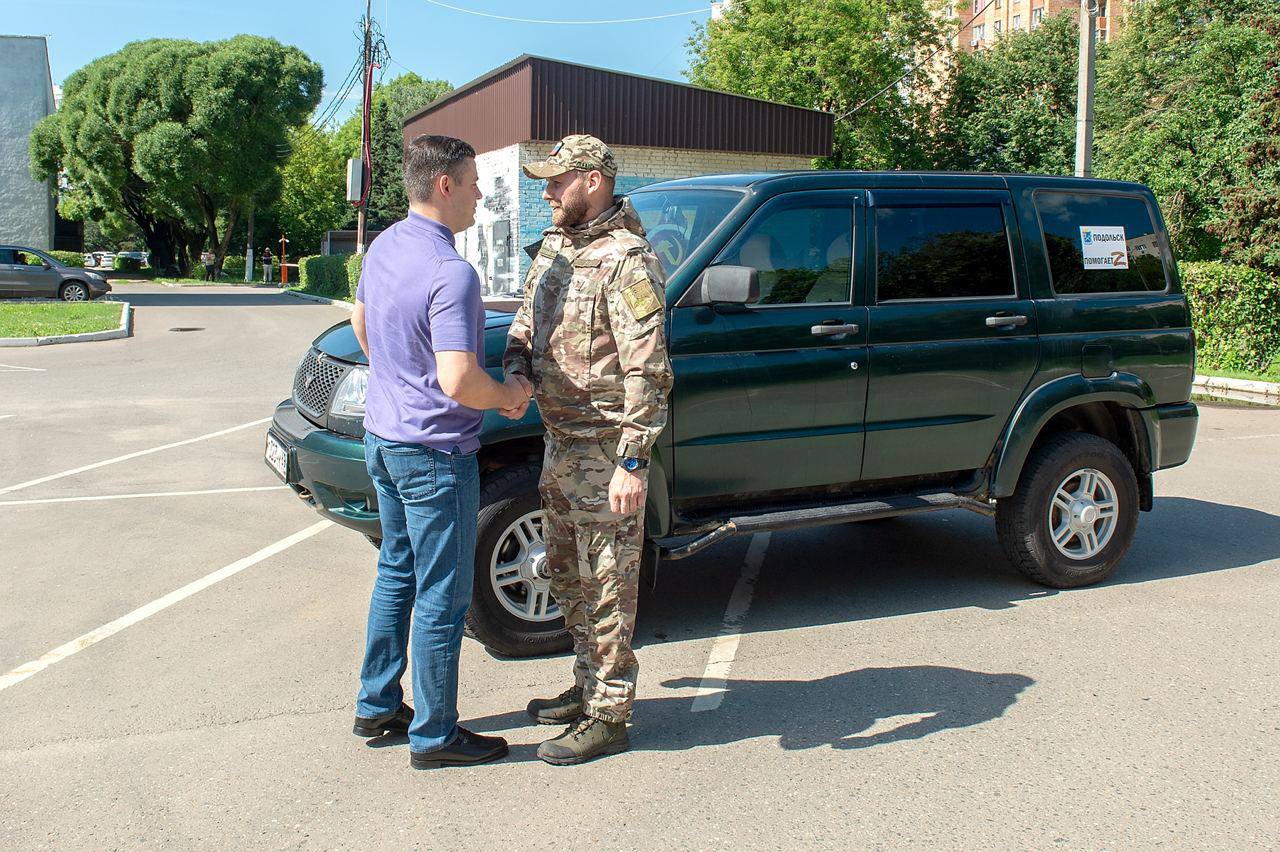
364,128
1084,90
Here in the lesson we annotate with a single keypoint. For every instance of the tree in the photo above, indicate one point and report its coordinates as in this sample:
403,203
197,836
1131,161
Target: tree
1175,108
392,103
831,55
177,137
313,191
1012,108
1249,225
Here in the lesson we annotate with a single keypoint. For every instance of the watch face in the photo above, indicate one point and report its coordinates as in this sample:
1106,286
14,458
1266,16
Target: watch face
630,464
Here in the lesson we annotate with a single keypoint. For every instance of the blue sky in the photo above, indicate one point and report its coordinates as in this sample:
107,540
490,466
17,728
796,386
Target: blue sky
426,38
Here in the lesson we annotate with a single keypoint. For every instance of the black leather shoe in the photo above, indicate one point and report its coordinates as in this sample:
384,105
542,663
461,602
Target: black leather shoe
467,749
392,723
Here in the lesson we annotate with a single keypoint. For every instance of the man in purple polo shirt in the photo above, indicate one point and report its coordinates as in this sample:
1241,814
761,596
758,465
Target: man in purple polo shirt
420,319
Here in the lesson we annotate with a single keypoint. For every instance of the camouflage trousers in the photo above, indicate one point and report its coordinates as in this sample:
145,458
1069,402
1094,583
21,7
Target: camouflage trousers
594,558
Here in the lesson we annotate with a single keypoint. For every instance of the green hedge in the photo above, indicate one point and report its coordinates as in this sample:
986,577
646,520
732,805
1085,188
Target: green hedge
355,263
325,275
1235,311
126,264
70,258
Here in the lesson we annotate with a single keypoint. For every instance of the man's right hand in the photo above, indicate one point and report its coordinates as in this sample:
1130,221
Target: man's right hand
520,393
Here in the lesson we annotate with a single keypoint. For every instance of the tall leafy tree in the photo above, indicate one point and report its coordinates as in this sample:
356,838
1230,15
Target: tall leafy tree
392,103
1249,224
1012,108
177,136
831,55
313,191
1175,107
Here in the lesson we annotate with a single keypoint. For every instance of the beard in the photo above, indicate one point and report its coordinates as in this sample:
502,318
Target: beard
572,210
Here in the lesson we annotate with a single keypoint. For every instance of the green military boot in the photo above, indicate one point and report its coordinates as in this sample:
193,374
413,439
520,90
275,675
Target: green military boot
565,707
585,740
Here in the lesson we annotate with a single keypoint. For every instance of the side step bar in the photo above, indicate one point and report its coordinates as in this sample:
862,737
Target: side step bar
798,518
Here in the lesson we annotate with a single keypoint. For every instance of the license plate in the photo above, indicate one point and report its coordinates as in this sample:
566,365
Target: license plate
278,458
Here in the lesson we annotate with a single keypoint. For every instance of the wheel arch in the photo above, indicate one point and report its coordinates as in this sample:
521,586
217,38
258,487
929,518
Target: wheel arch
1110,407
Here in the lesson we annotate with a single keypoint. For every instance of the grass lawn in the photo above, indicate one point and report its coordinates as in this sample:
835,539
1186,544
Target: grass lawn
39,319
1272,376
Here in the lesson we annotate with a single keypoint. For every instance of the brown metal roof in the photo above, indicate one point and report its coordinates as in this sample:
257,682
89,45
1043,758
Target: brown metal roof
534,98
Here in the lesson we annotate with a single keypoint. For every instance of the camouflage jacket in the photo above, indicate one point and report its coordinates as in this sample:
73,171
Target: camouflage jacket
590,335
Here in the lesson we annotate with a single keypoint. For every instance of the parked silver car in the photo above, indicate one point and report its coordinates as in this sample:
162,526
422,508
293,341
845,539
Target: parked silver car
28,273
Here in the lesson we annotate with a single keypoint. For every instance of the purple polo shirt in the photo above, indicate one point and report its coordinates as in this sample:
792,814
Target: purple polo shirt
419,297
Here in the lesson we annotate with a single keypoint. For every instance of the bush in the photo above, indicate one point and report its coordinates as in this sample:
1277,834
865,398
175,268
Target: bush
126,264
323,274
1235,311
70,258
355,263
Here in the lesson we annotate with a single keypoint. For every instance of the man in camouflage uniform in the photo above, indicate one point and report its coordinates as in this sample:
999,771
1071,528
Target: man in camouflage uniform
590,338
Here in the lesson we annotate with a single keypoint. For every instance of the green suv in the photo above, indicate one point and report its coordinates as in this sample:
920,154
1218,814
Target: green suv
847,346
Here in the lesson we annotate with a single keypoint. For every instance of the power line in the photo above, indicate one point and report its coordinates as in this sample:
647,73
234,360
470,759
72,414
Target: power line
701,11
914,68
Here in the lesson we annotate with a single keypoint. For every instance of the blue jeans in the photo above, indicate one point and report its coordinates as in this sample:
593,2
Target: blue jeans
427,502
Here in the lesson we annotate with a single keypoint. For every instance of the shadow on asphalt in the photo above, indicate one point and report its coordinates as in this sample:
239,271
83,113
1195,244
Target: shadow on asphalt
951,560
840,711
192,298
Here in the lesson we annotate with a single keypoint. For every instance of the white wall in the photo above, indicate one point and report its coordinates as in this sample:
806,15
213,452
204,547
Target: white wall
26,96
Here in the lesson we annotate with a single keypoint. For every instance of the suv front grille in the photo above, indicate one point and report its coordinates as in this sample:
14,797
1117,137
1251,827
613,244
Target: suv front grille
314,384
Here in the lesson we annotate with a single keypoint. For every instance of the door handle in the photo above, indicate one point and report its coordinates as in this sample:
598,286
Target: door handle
1006,322
834,329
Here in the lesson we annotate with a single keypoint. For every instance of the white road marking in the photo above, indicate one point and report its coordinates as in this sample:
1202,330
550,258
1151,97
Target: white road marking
96,465
140,496
13,368
1212,438
725,648
93,637
3,416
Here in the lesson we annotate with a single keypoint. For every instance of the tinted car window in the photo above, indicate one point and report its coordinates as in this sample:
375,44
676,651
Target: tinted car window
942,252
6,255
676,221
802,249
1123,252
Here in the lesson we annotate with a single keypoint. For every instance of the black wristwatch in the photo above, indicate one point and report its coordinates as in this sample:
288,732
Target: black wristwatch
632,465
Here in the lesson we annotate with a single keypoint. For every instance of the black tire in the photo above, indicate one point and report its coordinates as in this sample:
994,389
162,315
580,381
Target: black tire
1022,520
504,497
74,291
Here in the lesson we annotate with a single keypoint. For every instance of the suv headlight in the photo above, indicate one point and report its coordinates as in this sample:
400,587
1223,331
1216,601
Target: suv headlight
349,400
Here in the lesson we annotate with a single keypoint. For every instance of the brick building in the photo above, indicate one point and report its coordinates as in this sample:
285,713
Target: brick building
1007,16
657,129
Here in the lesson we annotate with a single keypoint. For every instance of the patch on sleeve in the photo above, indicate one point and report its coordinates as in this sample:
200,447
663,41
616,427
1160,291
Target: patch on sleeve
641,300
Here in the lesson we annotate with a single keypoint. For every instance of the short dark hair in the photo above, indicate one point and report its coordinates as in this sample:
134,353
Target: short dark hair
428,157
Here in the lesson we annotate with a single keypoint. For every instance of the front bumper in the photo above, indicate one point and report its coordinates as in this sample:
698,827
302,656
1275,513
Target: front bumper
327,470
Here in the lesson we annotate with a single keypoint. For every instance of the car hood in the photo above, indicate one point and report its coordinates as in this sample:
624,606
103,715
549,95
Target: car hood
340,342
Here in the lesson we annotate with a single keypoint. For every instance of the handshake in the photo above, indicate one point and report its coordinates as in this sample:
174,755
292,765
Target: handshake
518,391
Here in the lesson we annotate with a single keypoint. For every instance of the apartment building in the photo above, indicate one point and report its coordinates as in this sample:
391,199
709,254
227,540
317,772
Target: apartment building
1002,17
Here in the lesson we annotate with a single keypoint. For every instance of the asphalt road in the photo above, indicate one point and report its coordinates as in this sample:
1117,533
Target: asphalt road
890,685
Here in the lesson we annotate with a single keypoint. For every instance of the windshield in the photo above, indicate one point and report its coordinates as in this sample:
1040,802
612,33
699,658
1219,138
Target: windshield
676,221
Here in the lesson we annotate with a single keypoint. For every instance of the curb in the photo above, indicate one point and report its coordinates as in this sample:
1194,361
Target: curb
1218,384
124,330
346,306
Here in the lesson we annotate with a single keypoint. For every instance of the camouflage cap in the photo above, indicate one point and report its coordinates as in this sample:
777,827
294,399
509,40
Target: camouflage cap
578,152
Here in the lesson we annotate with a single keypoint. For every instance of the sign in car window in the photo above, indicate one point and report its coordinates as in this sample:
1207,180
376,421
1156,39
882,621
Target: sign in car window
1104,247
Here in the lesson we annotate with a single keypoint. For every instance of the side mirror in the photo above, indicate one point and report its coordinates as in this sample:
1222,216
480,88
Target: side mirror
47,265
732,285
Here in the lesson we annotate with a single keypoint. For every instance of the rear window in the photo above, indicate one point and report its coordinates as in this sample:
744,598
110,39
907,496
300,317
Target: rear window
1101,243
944,252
